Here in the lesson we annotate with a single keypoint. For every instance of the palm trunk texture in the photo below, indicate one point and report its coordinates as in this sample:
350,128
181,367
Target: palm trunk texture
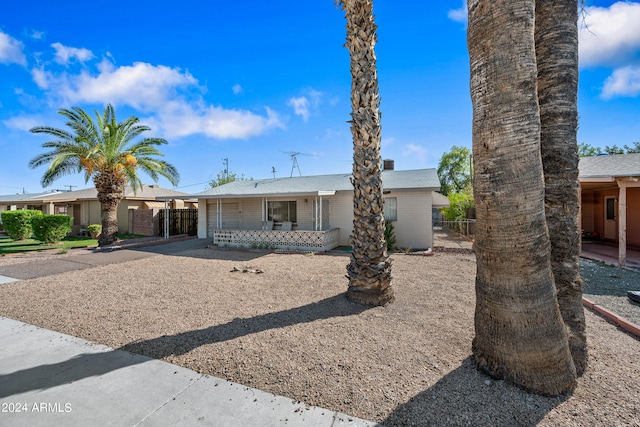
520,334
369,271
556,37
110,190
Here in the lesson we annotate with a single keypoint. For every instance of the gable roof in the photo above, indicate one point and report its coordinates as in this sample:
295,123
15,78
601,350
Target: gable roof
24,196
322,185
609,167
148,192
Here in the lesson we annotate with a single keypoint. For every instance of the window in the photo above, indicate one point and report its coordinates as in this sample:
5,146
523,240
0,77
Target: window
611,209
60,209
282,211
391,209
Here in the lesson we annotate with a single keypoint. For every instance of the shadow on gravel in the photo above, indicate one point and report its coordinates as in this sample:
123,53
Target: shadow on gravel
192,249
96,364
465,396
157,348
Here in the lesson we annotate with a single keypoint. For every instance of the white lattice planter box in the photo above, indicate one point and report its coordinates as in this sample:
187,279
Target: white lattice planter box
278,239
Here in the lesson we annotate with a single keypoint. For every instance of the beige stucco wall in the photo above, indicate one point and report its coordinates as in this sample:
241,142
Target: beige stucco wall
413,228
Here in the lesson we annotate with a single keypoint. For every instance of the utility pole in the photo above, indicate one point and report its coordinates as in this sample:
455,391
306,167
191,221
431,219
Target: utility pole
225,161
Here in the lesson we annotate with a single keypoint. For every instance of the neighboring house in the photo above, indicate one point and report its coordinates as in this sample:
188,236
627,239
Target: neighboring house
20,201
610,200
315,212
84,207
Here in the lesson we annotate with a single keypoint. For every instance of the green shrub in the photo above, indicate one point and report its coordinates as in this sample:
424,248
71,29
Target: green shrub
17,224
459,205
51,228
94,230
389,235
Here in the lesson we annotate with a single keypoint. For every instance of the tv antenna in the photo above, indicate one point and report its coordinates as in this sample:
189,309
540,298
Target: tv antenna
273,171
294,160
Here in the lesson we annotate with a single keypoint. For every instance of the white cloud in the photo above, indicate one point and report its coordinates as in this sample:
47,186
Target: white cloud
141,85
387,142
415,151
170,96
237,89
624,81
460,14
182,119
300,106
65,54
609,36
37,35
11,50
22,122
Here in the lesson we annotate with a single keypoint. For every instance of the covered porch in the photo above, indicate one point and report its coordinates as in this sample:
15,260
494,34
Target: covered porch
302,240
608,253
295,221
610,216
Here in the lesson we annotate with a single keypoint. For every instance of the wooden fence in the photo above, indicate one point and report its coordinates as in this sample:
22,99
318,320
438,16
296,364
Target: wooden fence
462,226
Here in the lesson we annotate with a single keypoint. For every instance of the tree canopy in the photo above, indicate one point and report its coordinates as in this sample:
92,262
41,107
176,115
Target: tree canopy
225,177
454,170
588,150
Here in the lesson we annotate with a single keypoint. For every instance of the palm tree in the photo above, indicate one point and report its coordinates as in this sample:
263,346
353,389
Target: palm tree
556,38
369,271
105,151
519,332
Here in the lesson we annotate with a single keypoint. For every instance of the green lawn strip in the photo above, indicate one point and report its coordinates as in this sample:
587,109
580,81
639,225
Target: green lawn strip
8,246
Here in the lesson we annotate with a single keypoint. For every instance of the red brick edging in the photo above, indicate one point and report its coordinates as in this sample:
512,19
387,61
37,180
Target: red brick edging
628,326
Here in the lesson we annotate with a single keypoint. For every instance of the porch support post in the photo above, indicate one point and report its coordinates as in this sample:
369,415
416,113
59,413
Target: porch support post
218,214
166,219
622,224
320,216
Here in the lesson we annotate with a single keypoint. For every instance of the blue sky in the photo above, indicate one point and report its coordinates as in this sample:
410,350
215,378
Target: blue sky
251,81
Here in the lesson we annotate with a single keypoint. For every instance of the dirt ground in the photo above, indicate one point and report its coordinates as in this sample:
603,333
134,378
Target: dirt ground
289,330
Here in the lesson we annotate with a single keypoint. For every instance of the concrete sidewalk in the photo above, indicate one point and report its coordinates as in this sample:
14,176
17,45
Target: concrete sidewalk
52,379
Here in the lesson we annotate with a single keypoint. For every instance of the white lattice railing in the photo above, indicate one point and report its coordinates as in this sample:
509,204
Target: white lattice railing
278,239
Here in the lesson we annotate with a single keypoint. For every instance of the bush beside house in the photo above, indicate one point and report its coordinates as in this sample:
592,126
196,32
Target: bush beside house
17,224
51,228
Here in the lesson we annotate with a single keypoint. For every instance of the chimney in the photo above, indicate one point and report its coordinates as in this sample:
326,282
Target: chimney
388,165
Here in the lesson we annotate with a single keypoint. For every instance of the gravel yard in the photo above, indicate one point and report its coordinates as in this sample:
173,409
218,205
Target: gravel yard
607,286
289,330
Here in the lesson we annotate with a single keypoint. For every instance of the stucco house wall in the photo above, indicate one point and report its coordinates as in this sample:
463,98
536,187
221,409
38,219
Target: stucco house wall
243,204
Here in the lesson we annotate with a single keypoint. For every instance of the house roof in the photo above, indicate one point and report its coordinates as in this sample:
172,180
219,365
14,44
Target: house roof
148,192
609,167
22,197
319,185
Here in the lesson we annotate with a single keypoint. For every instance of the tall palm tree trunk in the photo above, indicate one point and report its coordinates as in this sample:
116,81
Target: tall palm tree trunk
110,188
520,335
556,37
369,271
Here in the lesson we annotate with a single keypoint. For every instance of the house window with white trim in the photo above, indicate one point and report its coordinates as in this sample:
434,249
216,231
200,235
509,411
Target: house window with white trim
391,208
282,211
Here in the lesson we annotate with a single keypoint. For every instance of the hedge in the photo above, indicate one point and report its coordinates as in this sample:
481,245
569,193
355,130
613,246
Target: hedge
17,224
51,228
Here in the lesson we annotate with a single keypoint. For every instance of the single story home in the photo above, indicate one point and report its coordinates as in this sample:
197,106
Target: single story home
315,212
84,207
610,200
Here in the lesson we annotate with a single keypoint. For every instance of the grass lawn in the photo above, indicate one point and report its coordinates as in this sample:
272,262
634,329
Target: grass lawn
9,246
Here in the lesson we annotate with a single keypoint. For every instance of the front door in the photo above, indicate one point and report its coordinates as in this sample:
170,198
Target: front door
610,218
